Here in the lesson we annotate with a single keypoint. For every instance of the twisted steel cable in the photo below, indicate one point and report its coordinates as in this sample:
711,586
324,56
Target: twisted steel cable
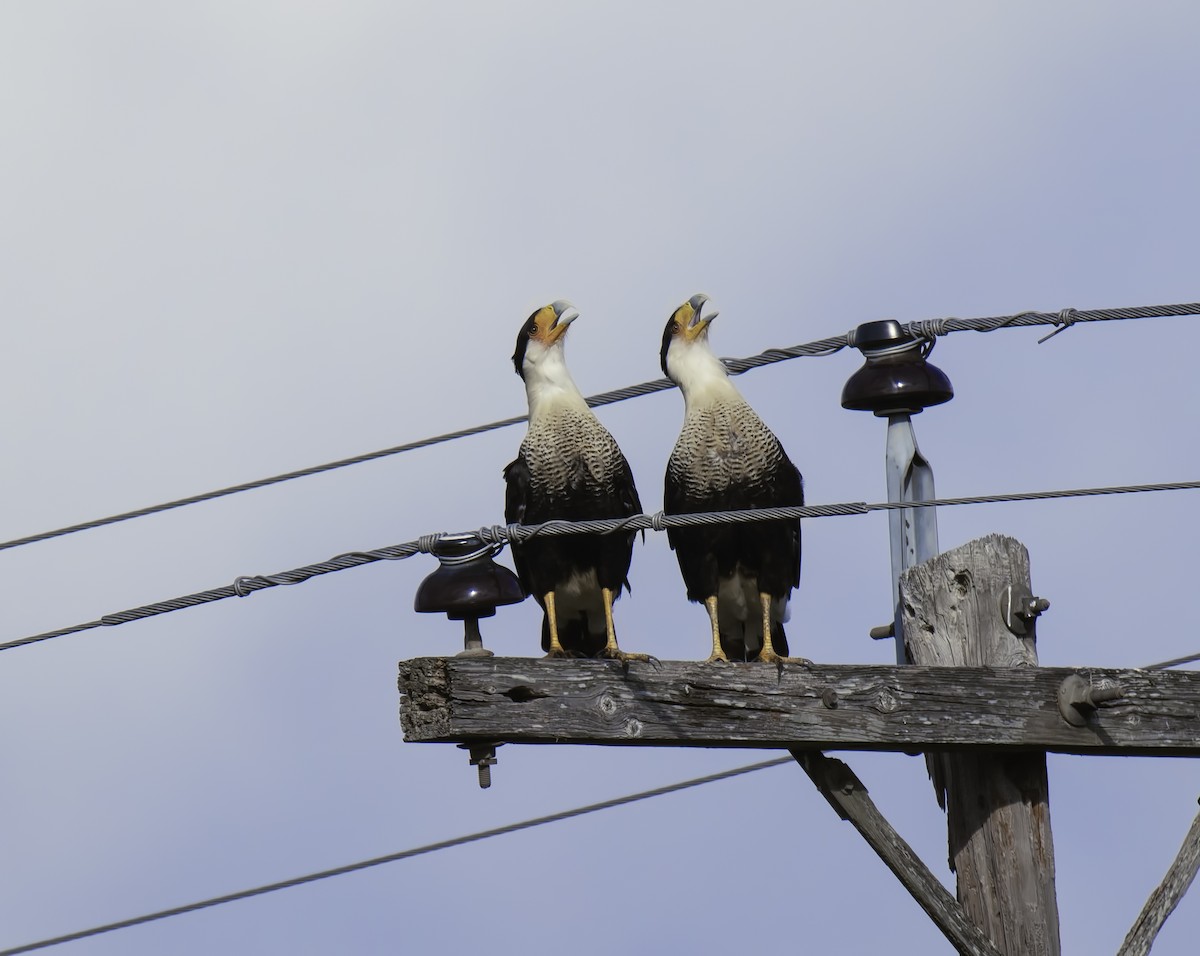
928,329
499,535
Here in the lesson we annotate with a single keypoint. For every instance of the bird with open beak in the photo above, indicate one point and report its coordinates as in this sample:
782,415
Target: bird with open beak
727,459
569,467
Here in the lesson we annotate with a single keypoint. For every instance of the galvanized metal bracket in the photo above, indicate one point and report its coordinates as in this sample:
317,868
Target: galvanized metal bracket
913,531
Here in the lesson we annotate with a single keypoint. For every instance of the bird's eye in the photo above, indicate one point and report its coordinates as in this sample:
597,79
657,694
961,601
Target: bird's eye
674,328
533,330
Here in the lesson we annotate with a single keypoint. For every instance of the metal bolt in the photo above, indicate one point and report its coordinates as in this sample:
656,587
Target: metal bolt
1078,699
482,756
1020,609
829,698
1102,695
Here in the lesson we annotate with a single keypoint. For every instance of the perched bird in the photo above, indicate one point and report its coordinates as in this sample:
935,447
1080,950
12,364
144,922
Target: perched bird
568,467
726,459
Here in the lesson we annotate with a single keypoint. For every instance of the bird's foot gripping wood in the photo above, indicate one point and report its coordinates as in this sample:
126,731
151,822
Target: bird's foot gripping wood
615,653
611,650
769,655
768,652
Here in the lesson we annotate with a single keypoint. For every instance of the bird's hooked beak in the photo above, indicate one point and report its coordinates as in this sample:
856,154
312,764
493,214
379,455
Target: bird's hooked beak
694,323
564,315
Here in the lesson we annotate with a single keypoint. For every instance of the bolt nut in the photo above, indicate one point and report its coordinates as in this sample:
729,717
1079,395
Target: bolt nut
1020,609
1034,607
482,756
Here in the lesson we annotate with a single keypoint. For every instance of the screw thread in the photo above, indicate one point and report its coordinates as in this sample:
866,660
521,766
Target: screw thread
1101,695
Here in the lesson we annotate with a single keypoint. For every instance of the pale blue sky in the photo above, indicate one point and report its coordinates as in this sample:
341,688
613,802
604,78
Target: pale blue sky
242,238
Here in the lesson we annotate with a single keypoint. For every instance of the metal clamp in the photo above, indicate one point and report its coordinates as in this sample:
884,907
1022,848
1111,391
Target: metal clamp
1078,699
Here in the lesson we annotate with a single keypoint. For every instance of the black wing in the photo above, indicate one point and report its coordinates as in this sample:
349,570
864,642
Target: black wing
516,494
785,489
516,504
707,552
629,504
695,548
627,492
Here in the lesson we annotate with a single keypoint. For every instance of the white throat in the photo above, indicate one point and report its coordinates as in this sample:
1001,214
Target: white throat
548,384
700,375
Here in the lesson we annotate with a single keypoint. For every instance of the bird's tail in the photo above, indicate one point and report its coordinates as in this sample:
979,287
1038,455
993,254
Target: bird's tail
779,638
746,645
574,636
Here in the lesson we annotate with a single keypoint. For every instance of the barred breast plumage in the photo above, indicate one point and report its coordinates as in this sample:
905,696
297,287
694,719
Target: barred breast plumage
569,467
569,453
721,446
727,459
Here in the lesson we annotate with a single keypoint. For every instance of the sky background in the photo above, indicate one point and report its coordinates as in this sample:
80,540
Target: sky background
239,238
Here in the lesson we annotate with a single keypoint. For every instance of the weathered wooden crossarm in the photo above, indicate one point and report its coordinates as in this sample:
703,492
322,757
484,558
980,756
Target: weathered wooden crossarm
850,800
829,707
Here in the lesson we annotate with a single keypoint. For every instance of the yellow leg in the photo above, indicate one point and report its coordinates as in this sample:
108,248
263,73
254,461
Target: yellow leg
556,648
768,651
717,653
610,646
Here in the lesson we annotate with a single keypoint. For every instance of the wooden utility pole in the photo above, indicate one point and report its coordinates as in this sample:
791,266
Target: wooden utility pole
974,700
973,606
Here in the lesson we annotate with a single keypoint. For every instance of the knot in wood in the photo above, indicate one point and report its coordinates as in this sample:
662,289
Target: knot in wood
633,727
887,701
607,705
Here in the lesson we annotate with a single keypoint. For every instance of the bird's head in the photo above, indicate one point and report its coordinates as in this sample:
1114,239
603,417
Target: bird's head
543,331
686,329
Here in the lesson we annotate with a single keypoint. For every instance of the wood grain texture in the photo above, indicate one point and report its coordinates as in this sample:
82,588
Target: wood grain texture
1166,896
847,795
997,804
874,707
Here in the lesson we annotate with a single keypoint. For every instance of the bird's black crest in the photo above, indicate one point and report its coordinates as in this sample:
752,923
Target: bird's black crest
522,342
666,342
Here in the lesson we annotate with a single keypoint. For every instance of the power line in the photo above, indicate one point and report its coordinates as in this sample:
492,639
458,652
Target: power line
498,535
432,847
1174,662
924,328
393,857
